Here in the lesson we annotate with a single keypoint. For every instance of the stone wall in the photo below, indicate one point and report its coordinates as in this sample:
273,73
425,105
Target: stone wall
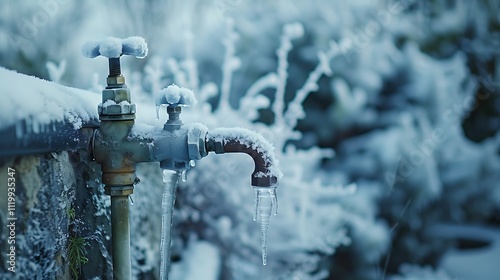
58,201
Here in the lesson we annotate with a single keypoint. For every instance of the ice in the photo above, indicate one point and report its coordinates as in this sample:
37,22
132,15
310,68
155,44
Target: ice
265,203
184,176
170,182
157,109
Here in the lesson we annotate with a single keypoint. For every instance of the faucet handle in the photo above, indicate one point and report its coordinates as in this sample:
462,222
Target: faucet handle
112,47
174,95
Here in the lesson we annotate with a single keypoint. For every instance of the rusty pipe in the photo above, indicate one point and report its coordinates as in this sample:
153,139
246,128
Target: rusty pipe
239,140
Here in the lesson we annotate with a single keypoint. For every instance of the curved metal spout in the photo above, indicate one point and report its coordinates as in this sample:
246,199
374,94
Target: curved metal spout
239,140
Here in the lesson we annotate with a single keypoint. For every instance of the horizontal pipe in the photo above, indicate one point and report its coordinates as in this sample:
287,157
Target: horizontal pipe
38,116
22,139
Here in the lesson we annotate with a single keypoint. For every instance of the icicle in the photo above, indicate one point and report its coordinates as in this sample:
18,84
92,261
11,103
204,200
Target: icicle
170,182
183,175
157,112
274,197
255,203
265,201
131,200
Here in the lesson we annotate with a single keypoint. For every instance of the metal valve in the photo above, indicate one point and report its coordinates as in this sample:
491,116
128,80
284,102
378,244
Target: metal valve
113,48
116,103
174,98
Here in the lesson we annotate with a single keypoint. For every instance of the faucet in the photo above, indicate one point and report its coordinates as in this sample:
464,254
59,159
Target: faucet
118,148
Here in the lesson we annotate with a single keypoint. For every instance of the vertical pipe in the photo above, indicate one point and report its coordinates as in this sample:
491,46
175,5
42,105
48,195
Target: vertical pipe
120,234
114,67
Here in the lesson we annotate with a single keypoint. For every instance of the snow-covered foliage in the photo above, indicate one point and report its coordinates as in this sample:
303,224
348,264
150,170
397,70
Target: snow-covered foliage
364,101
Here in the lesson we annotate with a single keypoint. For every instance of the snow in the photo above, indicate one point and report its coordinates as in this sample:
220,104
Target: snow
174,94
112,47
43,102
108,102
135,46
144,131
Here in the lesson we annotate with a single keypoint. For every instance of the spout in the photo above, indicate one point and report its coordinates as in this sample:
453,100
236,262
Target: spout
240,140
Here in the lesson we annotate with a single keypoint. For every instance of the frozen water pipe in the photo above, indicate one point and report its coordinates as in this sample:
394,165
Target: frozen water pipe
240,140
118,147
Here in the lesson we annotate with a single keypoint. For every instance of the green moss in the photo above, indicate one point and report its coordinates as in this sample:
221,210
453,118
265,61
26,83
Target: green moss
76,247
76,254
71,213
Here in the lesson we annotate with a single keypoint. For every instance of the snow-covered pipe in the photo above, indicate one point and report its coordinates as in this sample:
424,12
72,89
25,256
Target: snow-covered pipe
38,116
240,140
20,139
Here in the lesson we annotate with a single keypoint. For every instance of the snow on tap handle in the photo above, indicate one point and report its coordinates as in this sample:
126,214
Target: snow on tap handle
112,47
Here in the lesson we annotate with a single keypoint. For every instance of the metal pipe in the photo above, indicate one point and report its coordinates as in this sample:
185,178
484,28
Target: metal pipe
225,140
120,235
19,139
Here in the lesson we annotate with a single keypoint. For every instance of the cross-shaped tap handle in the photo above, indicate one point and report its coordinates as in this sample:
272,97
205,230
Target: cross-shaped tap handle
174,95
113,48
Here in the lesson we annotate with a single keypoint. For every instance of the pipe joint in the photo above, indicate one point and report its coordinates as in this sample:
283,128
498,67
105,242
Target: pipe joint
175,149
118,152
119,190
